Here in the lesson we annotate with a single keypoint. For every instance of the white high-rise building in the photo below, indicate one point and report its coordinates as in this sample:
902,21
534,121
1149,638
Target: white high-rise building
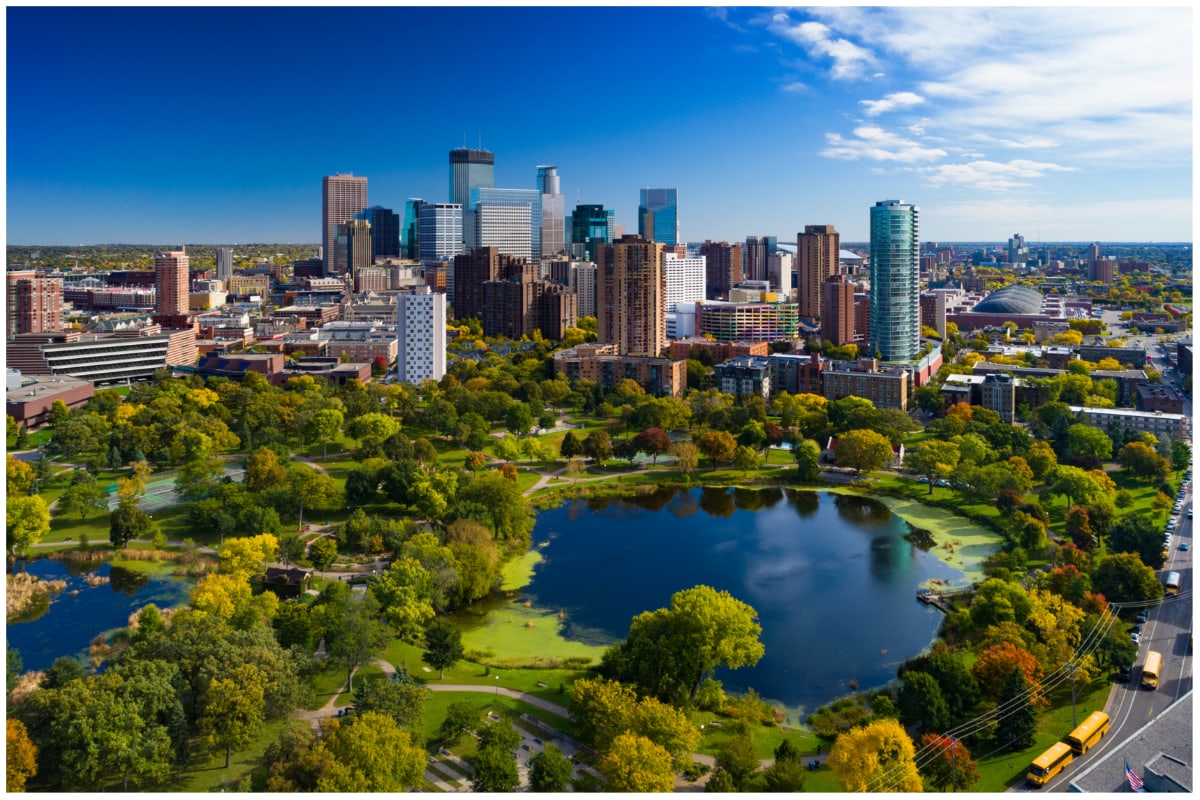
421,336
779,272
440,226
685,279
507,227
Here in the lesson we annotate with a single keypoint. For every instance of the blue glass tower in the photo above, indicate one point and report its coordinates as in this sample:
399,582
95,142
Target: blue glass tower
895,281
658,216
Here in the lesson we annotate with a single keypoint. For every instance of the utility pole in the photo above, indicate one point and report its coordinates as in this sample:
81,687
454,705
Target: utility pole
1074,722
953,766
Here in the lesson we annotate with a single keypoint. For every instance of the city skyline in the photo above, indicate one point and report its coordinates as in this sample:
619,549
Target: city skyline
768,120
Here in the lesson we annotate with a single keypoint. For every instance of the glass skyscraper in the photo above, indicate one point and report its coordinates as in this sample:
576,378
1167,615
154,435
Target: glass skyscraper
385,231
493,228
895,281
658,216
470,169
591,226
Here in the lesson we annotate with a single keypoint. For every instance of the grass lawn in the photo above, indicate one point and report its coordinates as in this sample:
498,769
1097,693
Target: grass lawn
206,774
367,672
326,683
439,702
766,739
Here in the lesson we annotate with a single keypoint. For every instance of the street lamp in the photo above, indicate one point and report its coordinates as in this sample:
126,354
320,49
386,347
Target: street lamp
497,684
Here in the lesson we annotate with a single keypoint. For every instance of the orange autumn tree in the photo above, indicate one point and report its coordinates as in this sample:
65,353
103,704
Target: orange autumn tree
946,763
997,662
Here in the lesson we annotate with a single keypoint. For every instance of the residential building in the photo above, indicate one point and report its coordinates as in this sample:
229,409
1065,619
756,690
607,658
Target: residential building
837,311
885,385
717,351
658,216
933,312
591,227
224,263
755,252
1153,397
796,373
171,282
723,268
421,336
895,280
998,392
862,319
744,376
817,249
661,377
685,279
630,287
248,285
34,303
1156,422
474,269
780,268
342,196
102,358
731,322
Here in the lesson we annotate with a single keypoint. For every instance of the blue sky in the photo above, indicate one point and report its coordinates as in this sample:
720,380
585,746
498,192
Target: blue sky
215,124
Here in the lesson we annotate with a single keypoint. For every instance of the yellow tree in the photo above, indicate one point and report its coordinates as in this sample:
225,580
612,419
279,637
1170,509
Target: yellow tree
20,757
875,758
248,556
636,764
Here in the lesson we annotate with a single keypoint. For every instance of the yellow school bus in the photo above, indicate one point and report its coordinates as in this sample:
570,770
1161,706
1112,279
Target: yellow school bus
1049,764
1088,733
1150,670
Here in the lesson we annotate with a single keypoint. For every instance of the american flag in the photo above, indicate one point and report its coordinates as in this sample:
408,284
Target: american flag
1135,783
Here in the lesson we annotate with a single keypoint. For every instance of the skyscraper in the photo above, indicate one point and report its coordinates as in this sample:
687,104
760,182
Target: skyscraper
723,267
471,271
658,216
547,179
817,251
837,310
410,234
470,169
353,246
630,290
510,219
895,281
684,280
554,236
779,272
440,227
171,282
224,263
385,231
342,196
756,252
34,303
591,226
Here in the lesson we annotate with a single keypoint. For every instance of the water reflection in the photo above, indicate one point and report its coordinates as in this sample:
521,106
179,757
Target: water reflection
127,581
804,502
716,502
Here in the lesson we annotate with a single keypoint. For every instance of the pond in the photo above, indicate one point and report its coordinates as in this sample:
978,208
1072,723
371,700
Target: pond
80,612
833,578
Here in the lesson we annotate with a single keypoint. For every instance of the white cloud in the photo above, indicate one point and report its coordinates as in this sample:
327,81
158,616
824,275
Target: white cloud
1159,220
794,87
991,175
875,144
891,102
849,60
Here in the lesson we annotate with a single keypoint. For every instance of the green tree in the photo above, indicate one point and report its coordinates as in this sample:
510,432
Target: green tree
1125,578
933,459
234,709
507,509
84,496
354,636
570,446
636,764
461,718
921,702
1138,533
127,522
518,419
1085,441
550,770
1181,455
738,757
1143,462
785,775
263,470
372,429
308,488
197,479
495,770
807,455
863,451
322,552
957,684
323,427
745,459
443,647
598,445
371,754
1017,727
403,702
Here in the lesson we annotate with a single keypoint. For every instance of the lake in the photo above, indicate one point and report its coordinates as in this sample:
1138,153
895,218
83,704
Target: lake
80,612
833,579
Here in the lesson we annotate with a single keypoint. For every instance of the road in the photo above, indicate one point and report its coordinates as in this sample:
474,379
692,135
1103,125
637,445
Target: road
1168,632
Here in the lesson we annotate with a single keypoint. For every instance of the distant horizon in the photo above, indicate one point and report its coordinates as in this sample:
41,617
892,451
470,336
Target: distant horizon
194,125
788,242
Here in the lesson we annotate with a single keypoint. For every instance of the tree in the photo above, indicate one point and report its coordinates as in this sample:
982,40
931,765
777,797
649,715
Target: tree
324,426
1142,462
518,418
28,520
461,717
495,769
20,755
550,770
686,457
669,652
863,451
196,479
921,702
443,647
1079,487
1041,459
654,442
234,709
957,684
933,459
1018,725
598,445
1084,441
1137,533
717,446
738,757
994,665
807,455
20,475
570,446
507,448
372,429
263,470
322,552
745,459
878,757
636,764
308,488
127,522
947,764
249,555
787,773
1125,578
354,636
1181,455
506,507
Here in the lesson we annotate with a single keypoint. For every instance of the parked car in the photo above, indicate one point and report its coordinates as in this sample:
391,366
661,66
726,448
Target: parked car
1143,616
1184,546
1136,638
1122,676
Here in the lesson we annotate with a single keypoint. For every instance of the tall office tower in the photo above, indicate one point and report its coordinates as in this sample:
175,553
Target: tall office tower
895,281
837,310
756,252
352,246
685,279
591,226
410,234
171,284
779,272
470,169
34,303
421,336
440,238
1017,251
817,251
658,216
723,266
224,263
554,236
510,219
385,231
630,287
342,196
